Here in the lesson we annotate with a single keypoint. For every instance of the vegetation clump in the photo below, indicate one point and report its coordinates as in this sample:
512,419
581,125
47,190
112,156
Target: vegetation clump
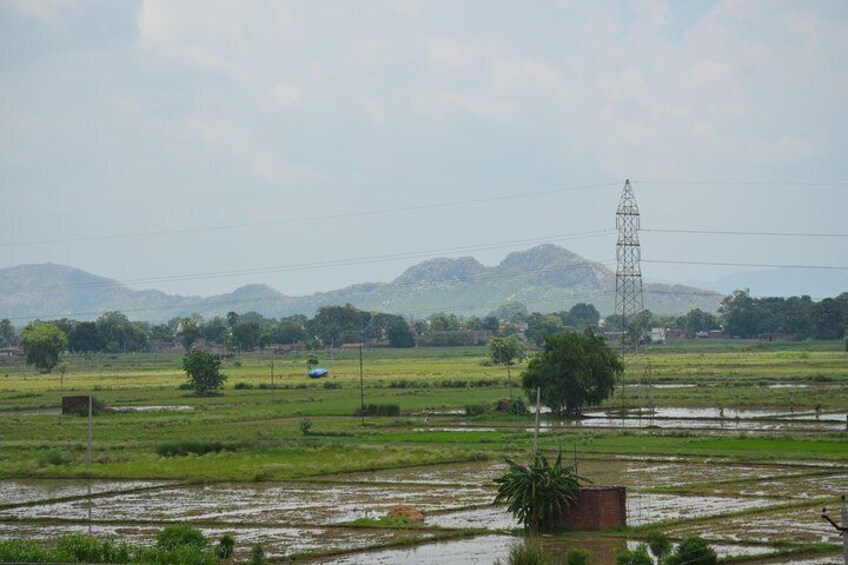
386,410
203,371
183,448
539,495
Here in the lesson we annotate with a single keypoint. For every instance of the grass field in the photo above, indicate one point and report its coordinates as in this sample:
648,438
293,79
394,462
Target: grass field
257,434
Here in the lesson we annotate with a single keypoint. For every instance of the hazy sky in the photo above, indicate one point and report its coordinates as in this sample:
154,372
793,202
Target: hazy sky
368,135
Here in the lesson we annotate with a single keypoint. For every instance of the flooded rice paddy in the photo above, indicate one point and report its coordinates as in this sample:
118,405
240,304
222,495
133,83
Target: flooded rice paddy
683,496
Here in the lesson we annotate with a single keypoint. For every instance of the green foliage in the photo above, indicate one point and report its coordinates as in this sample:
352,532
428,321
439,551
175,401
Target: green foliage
538,495
172,537
203,371
528,552
573,371
183,448
476,409
692,551
257,555
24,551
659,543
312,361
224,549
385,410
79,548
639,556
506,350
305,426
576,556
43,343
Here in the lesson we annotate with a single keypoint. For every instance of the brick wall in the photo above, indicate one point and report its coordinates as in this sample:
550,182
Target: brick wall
597,508
75,405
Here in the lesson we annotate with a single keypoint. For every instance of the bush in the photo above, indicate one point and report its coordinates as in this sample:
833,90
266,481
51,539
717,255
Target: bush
659,544
475,409
386,410
172,537
257,555
224,550
692,551
183,448
527,553
575,556
79,548
332,385
539,494
24,551
243,386
56,457
637,557
305,426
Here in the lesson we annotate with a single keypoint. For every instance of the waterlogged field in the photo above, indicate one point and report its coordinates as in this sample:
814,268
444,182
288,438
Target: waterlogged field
742,444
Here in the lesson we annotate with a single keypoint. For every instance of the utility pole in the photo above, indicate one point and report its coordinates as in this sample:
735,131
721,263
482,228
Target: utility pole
361,387
90,413
538,412
272,378
843,529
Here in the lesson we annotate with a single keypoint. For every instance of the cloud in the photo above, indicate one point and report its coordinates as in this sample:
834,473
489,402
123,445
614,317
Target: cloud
45,10
285,96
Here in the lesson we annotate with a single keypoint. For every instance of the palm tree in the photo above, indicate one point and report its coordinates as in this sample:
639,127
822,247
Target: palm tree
540,494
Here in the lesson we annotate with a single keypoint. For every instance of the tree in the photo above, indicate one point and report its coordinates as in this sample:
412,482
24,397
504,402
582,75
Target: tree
506,350
43,343
540,327
574,370
86,338
7,332
740,314
203,371
539,494
246,335
698,321
828,322
582,315
189,331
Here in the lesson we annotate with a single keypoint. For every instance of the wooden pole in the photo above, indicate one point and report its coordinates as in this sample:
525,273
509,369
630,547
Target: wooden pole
538,412
361,387
90,412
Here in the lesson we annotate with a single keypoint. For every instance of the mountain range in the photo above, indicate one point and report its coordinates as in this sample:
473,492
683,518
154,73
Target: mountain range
545,278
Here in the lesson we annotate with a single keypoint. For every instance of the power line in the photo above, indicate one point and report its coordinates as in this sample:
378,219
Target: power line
339,216
728,264
755,233
765,184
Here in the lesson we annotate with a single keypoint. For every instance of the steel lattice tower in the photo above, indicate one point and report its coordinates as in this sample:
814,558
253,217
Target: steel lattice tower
628,273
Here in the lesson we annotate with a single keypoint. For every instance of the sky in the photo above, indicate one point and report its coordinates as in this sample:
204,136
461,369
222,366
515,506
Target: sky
196,146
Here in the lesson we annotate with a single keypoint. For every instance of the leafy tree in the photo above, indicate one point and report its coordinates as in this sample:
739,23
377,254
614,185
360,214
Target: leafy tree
162,332
698,321
581,315
539,494
190,331
491,323
246,335
203,371
506,350
692,551
216,330
7,332
121,335
573,370
540,327
827,319
43,343
513,311
232,318
740,314
444,322
335,325
86,338
391,327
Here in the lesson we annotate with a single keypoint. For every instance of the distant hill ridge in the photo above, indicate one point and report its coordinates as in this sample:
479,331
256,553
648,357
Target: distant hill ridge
545,278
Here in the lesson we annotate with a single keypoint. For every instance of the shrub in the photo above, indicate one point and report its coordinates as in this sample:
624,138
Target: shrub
639,556
56,457
23,551
79,548
575,556
183,448
332,385
518,406
475,409
224,550
386,410
243,386
659,544
305,426
257,555
692,551
540,494
527,552
172,537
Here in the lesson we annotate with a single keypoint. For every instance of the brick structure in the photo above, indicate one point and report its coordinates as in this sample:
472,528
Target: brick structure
75,405
597,508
